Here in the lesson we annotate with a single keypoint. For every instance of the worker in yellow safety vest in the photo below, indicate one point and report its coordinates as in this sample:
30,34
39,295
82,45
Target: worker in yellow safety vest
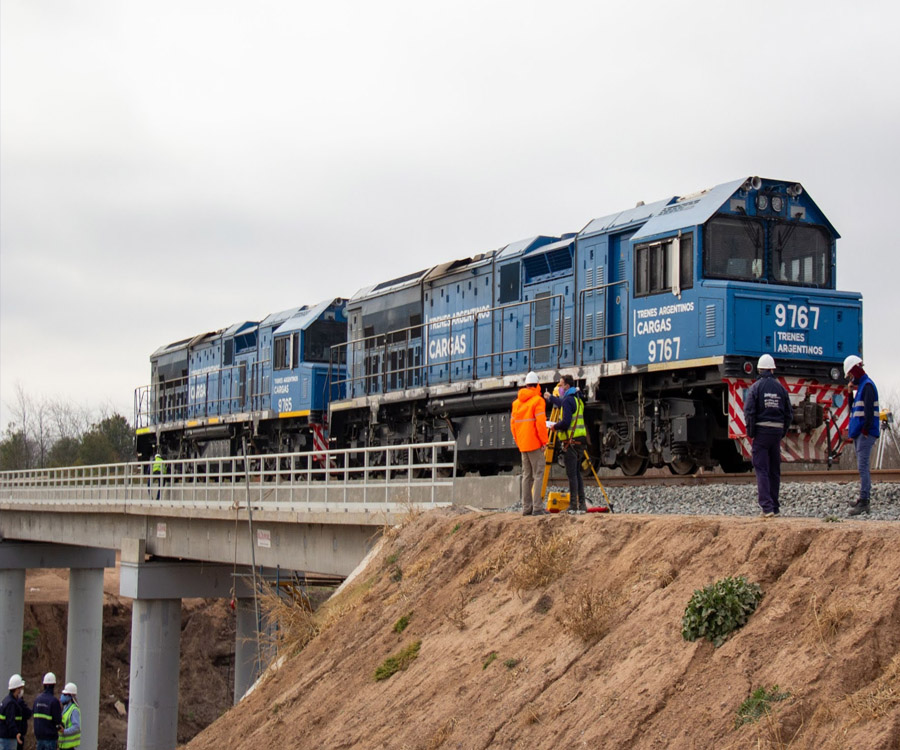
70,734
573,435
157,472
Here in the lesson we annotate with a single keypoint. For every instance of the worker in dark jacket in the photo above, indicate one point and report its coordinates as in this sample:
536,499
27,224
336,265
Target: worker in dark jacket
768,414
14,715
864,429
47,715
571,431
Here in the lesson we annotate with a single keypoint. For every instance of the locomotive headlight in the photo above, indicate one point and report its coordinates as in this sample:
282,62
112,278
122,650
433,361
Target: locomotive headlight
835,373
762,202
777,203
748,367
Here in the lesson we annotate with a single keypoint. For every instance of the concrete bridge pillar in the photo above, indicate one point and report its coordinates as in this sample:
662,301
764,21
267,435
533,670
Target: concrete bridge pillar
246,655
85,630
12,617
153,685
84,644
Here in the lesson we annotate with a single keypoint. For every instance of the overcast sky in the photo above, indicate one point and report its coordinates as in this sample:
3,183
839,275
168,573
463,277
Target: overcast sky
169,168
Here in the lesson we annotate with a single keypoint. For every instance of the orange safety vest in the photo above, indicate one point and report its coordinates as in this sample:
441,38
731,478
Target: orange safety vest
529,420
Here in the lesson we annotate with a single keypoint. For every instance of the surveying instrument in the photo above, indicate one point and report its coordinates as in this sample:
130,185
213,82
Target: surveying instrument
886,417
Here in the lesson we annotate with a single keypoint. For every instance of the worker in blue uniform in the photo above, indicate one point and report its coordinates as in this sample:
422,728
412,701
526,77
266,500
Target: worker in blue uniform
864,429
767,414
14,715
47,715
571,431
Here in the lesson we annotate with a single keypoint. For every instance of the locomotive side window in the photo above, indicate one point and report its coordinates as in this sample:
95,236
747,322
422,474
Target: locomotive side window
509,283
655,262
282,352
801,255
320,337
733,249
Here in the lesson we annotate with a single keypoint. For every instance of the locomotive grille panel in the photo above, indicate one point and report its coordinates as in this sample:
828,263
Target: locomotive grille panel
567,330
710,321
589,327
589,281
601,275
601,323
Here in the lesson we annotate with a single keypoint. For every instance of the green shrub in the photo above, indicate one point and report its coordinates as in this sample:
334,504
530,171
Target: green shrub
720,608
490,658
401,624
511,663
396,662
758,704
30,639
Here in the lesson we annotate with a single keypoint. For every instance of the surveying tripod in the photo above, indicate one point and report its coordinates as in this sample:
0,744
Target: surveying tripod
887,419
555,415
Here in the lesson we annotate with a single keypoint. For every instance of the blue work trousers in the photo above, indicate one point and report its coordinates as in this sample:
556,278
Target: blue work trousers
766,455
573,456
46,744
864,444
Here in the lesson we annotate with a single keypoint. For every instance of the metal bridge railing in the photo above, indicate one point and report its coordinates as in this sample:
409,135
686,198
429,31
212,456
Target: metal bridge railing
348,479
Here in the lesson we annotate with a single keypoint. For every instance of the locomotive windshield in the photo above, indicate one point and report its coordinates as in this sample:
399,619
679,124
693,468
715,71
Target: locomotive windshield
733,249
781,252
801,255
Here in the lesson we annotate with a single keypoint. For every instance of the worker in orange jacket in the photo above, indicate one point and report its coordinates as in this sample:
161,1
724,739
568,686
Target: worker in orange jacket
529,428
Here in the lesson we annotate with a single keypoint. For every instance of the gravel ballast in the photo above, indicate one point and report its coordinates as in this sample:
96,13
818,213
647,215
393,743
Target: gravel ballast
797,499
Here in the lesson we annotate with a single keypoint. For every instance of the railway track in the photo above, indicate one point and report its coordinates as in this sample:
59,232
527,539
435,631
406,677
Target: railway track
700,479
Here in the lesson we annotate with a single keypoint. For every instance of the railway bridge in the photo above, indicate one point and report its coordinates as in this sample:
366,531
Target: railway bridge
201,528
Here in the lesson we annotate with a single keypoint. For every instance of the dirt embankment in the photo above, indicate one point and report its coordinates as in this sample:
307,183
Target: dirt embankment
207,654
595,657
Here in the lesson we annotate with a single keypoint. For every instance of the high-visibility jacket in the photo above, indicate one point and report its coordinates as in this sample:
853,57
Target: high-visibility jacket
71,719
529,420
858,415
159,466
573,408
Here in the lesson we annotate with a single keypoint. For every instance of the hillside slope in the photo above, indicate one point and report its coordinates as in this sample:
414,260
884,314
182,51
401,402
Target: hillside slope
595,657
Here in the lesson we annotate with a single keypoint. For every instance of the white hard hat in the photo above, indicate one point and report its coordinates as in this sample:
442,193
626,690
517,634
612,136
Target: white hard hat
851,362
765,362
531,378
16,681
49,679
70,689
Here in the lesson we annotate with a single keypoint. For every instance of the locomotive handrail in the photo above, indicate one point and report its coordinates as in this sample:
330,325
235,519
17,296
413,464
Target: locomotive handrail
398,341
277,480
602,289
148,412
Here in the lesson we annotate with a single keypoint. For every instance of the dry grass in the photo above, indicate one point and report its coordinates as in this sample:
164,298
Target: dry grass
420,566
493,564
588,612
297,624
441,735
829,619
660,572
877,700
544,560
456,613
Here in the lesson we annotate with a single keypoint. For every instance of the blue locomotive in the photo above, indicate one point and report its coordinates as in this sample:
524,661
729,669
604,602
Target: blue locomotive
265,381
659,312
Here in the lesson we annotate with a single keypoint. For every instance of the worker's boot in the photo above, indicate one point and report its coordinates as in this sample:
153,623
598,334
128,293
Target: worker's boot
859,507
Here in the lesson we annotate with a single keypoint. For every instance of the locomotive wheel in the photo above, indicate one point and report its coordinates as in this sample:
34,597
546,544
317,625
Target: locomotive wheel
682,466
633,466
